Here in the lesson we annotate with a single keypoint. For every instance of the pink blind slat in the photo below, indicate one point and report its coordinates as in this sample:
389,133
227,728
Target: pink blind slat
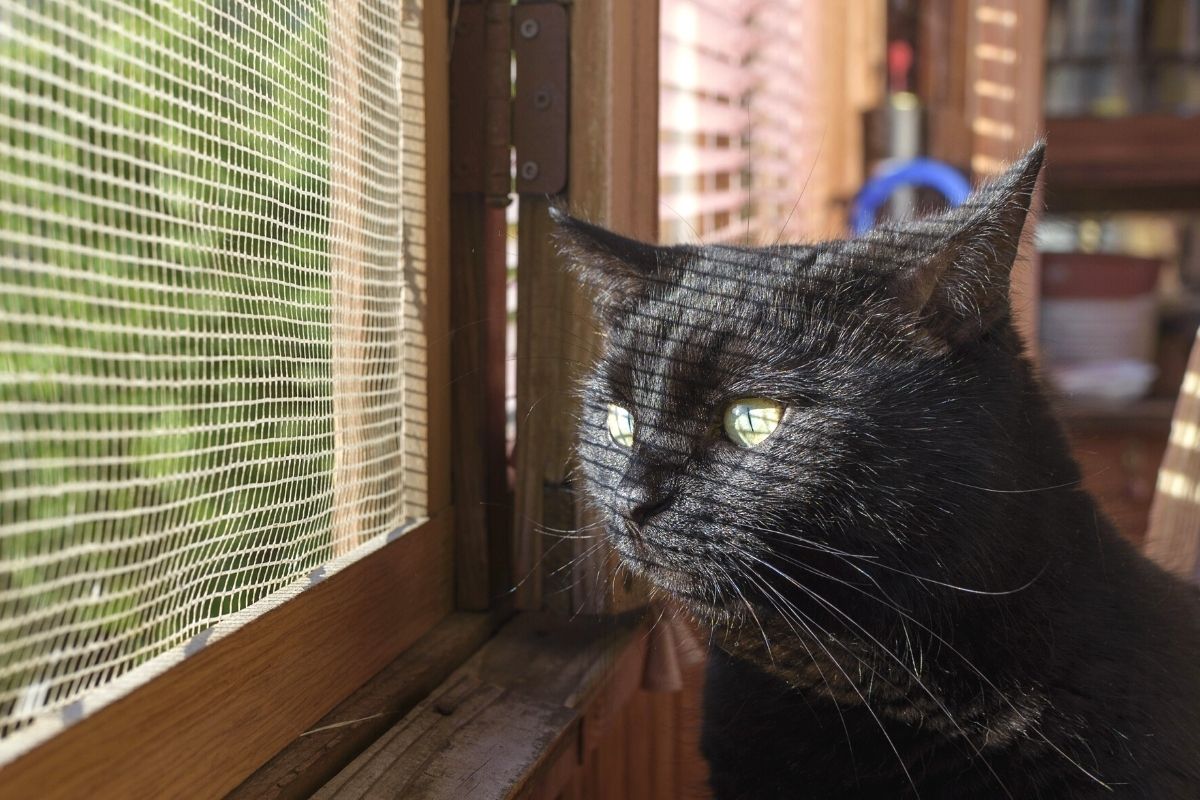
738,116
690,204
684,160
688,68
687,113
690,23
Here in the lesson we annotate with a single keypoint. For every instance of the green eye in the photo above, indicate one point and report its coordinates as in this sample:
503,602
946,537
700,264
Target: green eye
752,419
620,425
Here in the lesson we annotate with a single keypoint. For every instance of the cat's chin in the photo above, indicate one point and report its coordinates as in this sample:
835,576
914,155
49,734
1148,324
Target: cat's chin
673,581
676,583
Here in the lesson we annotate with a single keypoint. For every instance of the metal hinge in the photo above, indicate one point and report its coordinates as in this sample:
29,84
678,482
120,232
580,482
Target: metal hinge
491,115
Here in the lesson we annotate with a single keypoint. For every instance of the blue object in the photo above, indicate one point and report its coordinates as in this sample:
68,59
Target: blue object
916,172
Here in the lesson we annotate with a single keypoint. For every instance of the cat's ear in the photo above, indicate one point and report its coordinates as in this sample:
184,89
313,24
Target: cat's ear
615,268
959,282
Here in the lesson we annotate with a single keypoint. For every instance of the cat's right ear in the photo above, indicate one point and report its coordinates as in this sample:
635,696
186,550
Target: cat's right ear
615,268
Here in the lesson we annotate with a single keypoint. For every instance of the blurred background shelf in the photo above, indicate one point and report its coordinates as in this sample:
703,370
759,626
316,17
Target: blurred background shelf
1150,415
1145,162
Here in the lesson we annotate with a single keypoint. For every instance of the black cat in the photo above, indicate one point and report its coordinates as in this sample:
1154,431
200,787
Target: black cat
838,458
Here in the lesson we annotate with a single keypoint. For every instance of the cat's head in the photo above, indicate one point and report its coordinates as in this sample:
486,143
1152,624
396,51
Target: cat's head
763,419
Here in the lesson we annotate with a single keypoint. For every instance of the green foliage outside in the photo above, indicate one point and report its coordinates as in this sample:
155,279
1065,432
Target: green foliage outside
165,394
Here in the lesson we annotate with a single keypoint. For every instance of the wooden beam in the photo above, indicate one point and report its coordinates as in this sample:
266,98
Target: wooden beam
613,181
553,327
942,80
423,24
478,319
480,135
201,727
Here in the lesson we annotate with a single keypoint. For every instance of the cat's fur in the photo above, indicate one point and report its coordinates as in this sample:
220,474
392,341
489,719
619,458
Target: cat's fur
911,595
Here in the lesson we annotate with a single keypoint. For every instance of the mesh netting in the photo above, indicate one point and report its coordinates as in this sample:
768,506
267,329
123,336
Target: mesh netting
202,319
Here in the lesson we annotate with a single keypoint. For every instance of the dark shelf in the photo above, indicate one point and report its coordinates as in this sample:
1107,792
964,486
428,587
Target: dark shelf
1151,415
1123,163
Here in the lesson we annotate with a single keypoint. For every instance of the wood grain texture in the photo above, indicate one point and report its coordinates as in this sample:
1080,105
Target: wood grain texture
475,740
942,79
478,321
429,21
493,729
649,753
646,746
638,747
662,724
480,137
554,328
199,729
317,755
613,181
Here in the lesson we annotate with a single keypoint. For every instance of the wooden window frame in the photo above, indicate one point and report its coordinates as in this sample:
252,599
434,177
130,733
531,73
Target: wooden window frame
204,725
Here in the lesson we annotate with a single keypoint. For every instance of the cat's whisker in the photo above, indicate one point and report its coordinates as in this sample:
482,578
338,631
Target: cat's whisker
803,187
535,569
966,589
805,621
838,612
810,543
876,561
572,533
1067,485
987,682
695,234
754,616
815,662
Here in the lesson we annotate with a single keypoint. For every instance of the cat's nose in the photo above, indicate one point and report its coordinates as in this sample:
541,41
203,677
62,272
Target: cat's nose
641,504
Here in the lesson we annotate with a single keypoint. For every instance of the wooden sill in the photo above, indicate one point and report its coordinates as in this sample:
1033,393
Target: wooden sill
516,720
318,754
200,727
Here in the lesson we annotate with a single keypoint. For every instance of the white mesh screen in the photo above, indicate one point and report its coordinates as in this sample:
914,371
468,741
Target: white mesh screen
204,287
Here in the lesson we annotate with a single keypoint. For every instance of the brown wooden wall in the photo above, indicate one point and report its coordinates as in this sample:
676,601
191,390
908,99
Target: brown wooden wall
649,749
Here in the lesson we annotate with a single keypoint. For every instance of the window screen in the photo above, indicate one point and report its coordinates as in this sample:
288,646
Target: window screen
210,317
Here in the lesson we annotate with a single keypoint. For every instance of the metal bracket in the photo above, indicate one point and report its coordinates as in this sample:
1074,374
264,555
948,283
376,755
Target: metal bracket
488,114
540,105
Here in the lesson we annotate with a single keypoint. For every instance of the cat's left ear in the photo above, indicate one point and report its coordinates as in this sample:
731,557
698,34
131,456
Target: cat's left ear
616,268
959,283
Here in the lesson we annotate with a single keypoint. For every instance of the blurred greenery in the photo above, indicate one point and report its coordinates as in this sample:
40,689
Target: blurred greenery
165,394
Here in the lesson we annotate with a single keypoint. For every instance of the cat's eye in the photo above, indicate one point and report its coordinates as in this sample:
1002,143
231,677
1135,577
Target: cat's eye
751,420
620,425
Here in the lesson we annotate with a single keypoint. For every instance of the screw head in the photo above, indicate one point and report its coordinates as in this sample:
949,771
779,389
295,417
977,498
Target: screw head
529,170
530,28
541,100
